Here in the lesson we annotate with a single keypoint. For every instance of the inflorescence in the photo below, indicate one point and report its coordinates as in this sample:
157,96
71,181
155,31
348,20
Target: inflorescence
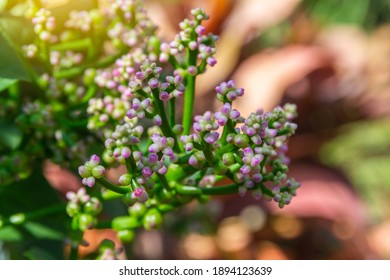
129,82
136,114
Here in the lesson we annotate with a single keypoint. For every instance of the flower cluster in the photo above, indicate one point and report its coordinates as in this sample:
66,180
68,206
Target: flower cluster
44,24
83,208
91,170
167,163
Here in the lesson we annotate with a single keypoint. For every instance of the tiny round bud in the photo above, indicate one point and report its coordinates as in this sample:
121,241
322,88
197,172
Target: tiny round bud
125,179
126,235
72,208
98,171
86,221
228,159
241,140
93,206
137,210
152,219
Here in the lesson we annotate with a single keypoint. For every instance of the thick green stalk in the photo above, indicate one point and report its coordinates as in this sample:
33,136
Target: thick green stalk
172,111
165,127
74,252
111,186
228,128
189,95
164,181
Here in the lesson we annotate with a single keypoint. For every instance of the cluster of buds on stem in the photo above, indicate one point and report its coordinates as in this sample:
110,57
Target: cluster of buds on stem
170,163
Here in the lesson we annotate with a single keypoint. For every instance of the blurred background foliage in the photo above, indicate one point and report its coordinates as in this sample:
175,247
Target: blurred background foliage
331,58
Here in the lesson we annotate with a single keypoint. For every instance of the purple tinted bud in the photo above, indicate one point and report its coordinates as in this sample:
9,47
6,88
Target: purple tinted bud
211,137
234,114
90,182
164,57
153,158
189,147
109,143
157,120
257,178
153,148
153,83
240,91
256,139
249,184
245,169
193,161
131,114
200,30
255,161
168,151
146,172
138,192
192,70
173,158
126,152
257,194
163,170
242,191
271,132
164,96
137,155
140,75
211,61
192,45
117,152
103,118
95,160
197,127
231,95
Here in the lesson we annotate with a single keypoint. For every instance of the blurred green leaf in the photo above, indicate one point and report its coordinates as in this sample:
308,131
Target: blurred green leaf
41,231
11,65
338,11
3,5
38,253
10,234
29,195
362,152
10,135
5,83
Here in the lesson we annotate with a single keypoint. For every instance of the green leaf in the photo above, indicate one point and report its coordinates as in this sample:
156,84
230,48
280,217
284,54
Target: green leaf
11,65
10,135
5,83
41,231
10,233
3,5
38,253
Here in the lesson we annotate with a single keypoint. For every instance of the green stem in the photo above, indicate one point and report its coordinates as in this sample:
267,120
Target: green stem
189,95
111,186
109,195
165,127
221,190
21,218
225,149
208,153
77,45
77,71
74,252
172,111
164,181
131,164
